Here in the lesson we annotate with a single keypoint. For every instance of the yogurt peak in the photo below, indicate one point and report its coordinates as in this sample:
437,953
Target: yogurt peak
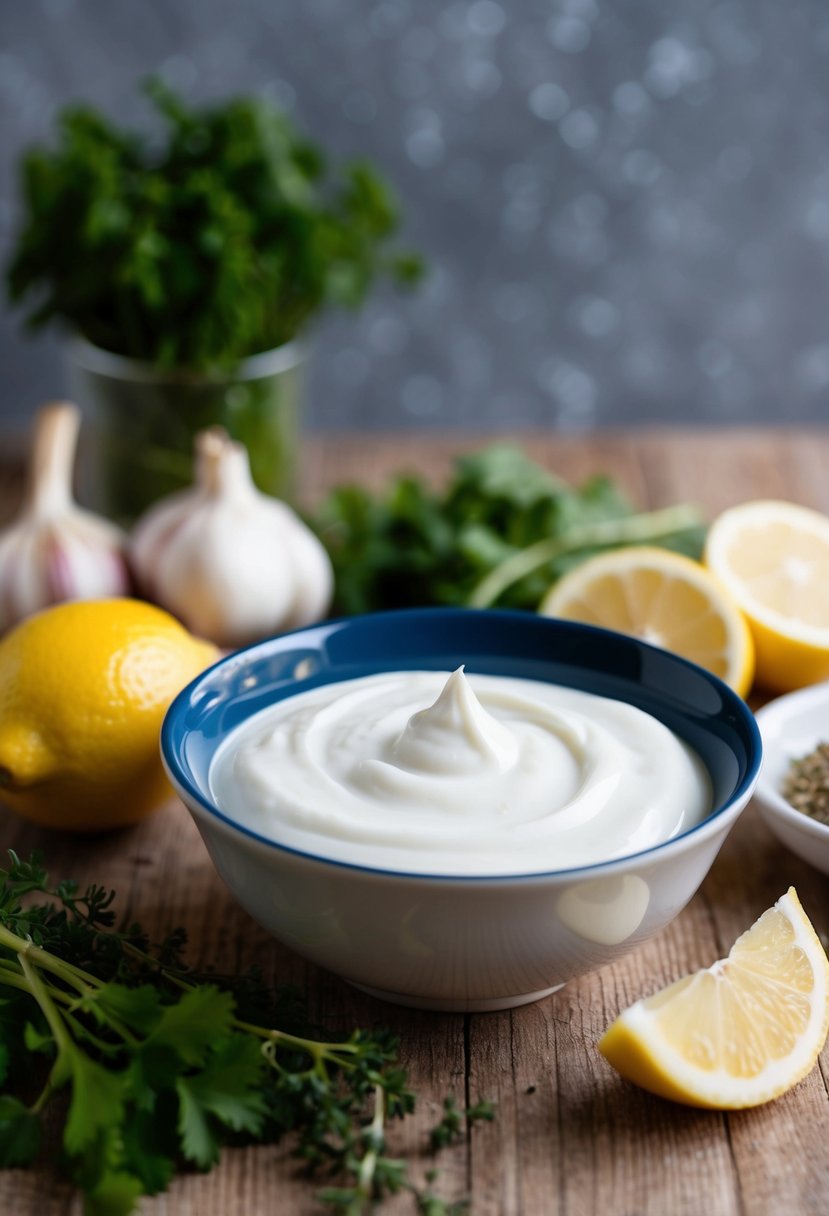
455,734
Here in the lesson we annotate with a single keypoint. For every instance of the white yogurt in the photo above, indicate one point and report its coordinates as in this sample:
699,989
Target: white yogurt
437,774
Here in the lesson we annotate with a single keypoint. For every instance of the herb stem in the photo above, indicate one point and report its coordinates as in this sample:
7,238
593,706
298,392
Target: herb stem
11,978
78,979
312,1047
634,529
316,1048
48,1007
112,1022
43,1097
374,1136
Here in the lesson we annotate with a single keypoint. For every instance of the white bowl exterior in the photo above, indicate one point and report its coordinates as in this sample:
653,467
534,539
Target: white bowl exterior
461,944
791,727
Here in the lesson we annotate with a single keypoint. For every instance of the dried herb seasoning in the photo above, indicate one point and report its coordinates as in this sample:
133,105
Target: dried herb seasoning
806,786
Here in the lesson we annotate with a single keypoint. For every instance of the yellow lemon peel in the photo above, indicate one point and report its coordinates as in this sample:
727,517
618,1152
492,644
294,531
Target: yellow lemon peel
83,690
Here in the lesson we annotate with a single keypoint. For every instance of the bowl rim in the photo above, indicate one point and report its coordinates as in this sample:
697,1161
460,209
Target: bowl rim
193,797
771,802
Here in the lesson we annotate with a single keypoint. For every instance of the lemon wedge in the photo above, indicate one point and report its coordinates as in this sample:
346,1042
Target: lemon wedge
739,1033
663,598
774,559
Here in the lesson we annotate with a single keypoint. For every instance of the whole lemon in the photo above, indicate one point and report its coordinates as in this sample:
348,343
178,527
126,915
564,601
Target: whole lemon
83,690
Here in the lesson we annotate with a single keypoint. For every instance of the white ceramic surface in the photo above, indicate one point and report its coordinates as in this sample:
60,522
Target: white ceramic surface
464,943
791,727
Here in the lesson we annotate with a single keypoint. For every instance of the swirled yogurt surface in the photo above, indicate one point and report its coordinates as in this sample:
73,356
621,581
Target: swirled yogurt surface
438,773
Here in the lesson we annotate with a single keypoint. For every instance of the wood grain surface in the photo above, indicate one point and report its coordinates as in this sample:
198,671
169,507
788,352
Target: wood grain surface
570,1138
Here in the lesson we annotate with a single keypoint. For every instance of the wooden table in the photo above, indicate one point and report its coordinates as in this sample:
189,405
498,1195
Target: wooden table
570,1138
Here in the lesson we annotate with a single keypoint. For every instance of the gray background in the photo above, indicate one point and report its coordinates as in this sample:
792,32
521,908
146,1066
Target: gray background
625,203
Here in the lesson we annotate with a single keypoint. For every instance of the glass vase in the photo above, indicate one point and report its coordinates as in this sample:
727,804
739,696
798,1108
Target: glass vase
141,420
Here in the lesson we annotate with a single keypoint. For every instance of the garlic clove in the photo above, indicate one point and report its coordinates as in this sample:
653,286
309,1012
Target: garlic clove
54,550
233,564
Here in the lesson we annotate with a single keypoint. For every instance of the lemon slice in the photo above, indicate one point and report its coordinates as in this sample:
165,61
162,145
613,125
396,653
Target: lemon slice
774,559
739,1033
663,598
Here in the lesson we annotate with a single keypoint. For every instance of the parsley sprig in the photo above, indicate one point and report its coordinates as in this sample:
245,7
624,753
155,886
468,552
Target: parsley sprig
161,1066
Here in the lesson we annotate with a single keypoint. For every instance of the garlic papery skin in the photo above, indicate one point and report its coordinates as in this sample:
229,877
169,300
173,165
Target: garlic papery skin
55,550
233,564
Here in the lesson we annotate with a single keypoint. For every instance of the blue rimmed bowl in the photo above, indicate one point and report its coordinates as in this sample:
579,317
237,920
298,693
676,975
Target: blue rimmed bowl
461,943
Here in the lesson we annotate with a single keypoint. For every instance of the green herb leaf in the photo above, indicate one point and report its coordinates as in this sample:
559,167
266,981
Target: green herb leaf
96,1105
116,1194
138,1008
227,1085
36,1041
225,1089
199,1142
19,1133
198,1020
148,1149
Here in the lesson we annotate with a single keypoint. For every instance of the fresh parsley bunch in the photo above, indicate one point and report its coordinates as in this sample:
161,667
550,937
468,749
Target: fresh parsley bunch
501,532
221,240
159,1066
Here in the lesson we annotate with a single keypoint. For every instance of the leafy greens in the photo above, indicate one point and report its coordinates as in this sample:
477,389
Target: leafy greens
501,533
163,1066
221,240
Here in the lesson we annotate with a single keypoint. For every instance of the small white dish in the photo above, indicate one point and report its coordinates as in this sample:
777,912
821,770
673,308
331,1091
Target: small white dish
791,727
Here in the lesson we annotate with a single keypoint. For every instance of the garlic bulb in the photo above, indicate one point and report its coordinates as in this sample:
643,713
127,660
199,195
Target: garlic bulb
55,550
233,564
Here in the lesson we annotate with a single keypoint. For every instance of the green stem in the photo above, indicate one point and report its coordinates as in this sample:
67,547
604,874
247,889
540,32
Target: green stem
43,1097
78,979
85,985
315,1048
13,979
63,1039
635,529
368,1164
12,941
107,1049
312,1047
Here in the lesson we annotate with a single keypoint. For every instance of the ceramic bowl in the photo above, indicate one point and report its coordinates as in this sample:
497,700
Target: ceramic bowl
791,727
461,943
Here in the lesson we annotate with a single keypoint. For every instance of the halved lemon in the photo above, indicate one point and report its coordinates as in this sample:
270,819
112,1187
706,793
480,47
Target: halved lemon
739,1033
774,559
663,598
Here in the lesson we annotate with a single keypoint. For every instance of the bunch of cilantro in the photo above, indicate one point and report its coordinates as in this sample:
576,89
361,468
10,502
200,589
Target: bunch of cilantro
150,1068
222,237
502,532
